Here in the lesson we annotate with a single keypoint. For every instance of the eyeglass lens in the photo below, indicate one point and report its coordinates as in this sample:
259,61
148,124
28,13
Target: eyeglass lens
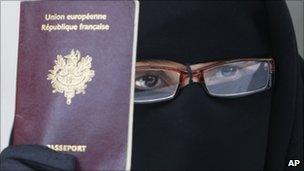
226,80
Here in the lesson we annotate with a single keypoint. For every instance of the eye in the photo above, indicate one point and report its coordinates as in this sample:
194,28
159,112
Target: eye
227,71
231,72
148,81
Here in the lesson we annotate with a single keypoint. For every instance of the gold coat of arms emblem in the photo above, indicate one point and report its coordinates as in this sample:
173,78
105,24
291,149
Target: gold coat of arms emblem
71,74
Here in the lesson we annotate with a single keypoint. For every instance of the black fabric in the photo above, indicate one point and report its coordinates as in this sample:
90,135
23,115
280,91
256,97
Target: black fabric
262,131
35,157
287,116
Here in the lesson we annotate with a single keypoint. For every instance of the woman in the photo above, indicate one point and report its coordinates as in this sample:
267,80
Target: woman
194,130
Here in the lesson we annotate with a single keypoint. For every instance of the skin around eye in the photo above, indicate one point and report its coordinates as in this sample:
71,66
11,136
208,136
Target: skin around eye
230,72
223,74
151,80
147,82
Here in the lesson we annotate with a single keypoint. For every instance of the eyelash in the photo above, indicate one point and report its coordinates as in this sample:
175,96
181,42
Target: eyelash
220,70
240,72
159,78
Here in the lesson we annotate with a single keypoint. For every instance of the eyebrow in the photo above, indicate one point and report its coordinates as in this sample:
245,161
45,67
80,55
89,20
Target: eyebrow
171,64
160,63
175,65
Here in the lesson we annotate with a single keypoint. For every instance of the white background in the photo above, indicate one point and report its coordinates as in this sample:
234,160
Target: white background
9,50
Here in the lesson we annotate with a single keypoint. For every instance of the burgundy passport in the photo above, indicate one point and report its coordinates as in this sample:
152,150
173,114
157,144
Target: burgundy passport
74,82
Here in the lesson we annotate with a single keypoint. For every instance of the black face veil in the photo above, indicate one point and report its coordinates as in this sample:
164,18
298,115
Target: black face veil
196,131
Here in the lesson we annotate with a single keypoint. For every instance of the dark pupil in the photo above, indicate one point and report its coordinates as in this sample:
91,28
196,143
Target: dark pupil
150,80
228,70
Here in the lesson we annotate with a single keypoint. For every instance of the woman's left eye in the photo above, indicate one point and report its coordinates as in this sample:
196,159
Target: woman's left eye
227,71
146,82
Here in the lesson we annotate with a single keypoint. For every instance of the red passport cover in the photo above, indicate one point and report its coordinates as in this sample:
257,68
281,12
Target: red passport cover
75,69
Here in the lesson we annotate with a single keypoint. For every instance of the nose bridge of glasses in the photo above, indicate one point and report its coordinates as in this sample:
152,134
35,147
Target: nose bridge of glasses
193,74
191,77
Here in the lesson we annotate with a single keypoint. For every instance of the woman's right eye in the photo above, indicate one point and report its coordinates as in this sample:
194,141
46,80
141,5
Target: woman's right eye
149,81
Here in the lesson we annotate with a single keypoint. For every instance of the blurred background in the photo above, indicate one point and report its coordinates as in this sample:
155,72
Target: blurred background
296,11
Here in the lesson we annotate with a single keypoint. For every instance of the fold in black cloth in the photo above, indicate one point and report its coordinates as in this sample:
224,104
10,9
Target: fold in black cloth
35,157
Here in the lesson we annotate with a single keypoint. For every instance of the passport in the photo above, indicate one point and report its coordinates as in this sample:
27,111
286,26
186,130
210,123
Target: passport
76,65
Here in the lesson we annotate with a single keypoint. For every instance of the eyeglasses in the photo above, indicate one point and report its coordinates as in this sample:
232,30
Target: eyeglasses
160,80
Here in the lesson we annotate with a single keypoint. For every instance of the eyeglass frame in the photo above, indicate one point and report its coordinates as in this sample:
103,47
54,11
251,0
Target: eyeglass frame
189,74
